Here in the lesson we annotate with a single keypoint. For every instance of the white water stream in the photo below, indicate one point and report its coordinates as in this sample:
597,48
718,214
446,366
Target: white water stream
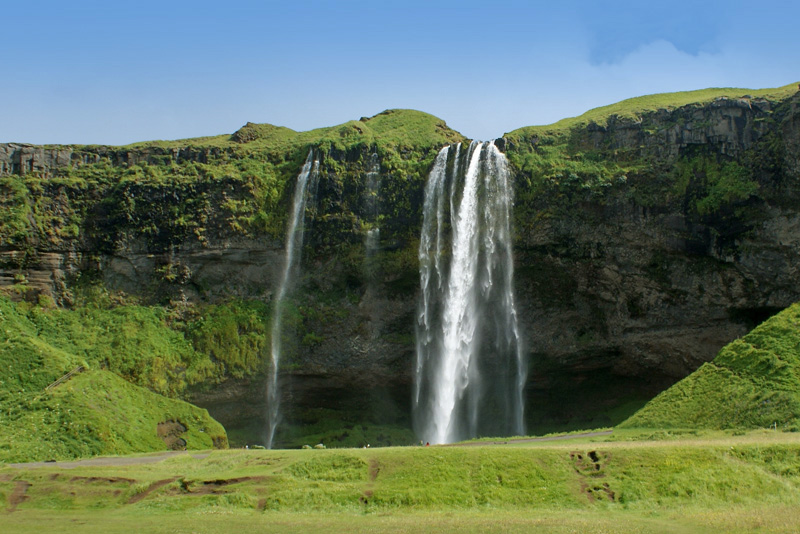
306,181
470,372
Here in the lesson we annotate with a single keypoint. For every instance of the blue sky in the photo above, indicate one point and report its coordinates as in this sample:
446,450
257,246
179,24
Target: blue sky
115,73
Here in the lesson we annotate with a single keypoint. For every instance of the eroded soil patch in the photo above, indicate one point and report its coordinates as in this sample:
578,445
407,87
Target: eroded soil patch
589,467
150,489
19,495
170,432
208,487
374,469
109,480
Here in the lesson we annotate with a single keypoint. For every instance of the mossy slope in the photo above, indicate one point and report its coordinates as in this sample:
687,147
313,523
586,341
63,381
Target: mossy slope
753,382
96,411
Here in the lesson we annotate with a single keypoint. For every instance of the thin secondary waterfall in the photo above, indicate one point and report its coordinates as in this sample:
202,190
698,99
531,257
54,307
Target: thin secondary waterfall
306,181
470,372
372,208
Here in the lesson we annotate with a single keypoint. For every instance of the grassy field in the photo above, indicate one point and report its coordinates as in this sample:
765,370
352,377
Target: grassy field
631,481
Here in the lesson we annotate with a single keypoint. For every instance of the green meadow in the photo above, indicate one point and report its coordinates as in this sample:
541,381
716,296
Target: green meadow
629,481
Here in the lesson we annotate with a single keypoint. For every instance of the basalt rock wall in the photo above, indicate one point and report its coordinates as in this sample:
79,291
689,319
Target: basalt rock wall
624,286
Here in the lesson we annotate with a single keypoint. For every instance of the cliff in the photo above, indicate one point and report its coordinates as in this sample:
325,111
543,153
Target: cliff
650,238
648,235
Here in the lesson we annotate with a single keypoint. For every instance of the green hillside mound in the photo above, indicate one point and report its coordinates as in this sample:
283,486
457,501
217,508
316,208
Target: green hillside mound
95,411
390,129
753,382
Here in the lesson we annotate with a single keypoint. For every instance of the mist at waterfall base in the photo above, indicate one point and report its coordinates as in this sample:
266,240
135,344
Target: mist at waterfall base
305,187
469,373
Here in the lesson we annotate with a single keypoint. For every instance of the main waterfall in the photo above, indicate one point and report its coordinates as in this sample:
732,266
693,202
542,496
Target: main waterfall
469,372
306,182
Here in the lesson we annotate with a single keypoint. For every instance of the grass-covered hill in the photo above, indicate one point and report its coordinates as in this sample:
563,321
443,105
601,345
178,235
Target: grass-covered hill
754,382
123,400
393,129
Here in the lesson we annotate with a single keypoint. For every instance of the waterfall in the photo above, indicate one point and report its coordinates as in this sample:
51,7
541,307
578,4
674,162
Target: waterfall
469,372
306,184
371,210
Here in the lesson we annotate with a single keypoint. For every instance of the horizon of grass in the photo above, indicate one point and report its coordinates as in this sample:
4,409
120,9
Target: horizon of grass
391,127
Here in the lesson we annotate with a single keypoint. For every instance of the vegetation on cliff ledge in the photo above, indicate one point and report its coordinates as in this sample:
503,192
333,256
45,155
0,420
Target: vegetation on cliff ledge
674,151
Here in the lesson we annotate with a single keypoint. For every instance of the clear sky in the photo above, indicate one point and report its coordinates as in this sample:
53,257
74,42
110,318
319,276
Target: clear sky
115,72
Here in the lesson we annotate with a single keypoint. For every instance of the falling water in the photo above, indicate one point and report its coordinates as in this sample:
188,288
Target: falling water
372,208
469,372
306,181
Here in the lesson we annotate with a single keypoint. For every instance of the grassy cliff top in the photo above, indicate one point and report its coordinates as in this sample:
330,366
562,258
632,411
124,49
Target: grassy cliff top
411,128
635,107
391,128
753,382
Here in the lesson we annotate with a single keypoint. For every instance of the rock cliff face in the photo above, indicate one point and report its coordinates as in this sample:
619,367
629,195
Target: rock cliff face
22,158
624,286
628,290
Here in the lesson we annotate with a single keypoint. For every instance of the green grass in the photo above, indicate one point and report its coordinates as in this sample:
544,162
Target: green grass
754,382
43,343
134,361
708,483
733,521
390,128
95,413
234,336
634,107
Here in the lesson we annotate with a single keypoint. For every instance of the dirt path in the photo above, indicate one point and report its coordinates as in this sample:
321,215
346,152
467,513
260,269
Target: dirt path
531,440
110,460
